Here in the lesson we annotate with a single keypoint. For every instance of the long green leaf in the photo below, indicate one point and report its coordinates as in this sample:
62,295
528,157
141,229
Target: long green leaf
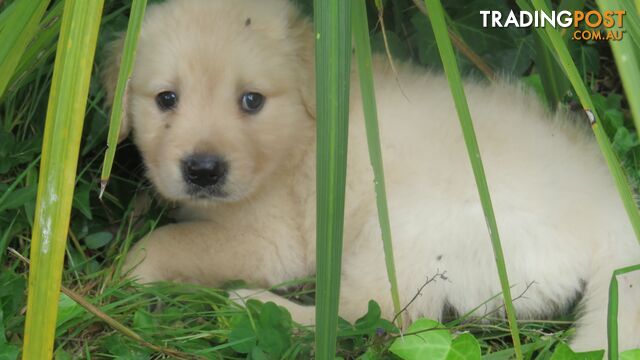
562,53
333,62
20,26
625,54
612,315
632,21
437,16
41,48
4,14
63,129
16,182
126,67
365,73
554,81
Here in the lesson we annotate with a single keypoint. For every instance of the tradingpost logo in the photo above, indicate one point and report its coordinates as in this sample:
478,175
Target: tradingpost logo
584,25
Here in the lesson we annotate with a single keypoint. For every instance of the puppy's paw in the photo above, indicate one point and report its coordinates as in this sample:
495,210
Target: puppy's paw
304,315
137,267
241,296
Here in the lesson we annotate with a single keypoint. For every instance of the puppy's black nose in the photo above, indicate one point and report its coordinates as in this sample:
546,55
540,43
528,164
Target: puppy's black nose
204,170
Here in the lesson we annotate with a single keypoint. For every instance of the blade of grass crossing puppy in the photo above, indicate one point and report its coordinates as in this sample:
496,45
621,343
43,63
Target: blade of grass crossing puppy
18,26
554,81
365,72
625,53
463,48
437,16
126,67
63,129
612,314
333,62
562,53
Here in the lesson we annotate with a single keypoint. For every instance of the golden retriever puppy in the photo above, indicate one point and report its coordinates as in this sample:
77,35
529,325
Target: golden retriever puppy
221,103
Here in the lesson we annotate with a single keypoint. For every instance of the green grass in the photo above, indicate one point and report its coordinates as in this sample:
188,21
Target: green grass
572,72
437,17
60,149
365,73
612,316
626,52
113,318
18,26
125,70
333,64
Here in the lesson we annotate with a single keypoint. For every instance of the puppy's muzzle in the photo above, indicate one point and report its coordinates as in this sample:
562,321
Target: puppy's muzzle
204,170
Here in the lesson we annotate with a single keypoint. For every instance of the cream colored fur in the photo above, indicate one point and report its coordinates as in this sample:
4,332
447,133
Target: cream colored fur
562,224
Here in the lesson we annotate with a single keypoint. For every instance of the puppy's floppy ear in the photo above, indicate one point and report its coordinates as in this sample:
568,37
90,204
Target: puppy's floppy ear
110,80
301,32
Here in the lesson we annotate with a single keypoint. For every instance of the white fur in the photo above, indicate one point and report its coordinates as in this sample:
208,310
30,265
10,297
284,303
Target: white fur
560,219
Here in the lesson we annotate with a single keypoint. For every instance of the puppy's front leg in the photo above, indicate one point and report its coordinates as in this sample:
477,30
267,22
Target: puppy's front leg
211,254
302,314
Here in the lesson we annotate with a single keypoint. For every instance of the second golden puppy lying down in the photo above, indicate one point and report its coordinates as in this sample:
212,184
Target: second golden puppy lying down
221,104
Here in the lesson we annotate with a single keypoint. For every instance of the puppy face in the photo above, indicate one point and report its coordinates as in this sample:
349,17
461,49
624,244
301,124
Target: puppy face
221,95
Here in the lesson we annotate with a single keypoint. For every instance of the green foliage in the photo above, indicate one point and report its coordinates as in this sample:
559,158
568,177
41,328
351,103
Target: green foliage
60,149
333,64
452,72
428,339
627,55
576,71
67,310
612,313
630,355
18,25
563,352
7,351
263,332
97,240
125,70
365,73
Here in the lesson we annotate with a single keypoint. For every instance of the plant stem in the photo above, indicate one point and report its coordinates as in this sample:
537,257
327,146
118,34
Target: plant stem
436,12
333,62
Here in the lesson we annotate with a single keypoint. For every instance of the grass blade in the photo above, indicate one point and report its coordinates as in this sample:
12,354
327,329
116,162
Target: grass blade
41,48
562,53
102,315
4,14
63,129
463,48
612,315
436,12
554,82
365,72
632,20
17,31
625,54
333,62
126,67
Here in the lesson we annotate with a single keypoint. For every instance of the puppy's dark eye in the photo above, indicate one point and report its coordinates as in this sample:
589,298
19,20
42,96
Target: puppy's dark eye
252,102
167,100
